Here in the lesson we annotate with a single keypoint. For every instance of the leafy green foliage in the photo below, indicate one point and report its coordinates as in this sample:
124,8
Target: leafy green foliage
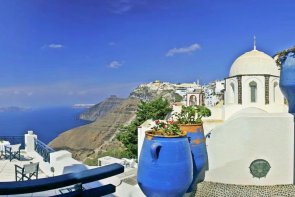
177,97
169,128
155,109
91,162
282,56
192,114
187,115
128,136
203,111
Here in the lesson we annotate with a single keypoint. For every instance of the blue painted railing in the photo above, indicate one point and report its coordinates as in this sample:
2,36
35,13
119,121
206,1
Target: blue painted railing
46,184
14,140
43,150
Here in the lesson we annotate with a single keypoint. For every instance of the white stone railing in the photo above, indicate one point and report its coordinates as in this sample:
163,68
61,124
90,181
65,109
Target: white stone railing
59,162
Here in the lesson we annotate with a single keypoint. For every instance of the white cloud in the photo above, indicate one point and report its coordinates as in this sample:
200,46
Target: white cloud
188,49
115,64
55,46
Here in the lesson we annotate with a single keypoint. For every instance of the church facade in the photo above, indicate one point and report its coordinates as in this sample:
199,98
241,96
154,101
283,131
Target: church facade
253,82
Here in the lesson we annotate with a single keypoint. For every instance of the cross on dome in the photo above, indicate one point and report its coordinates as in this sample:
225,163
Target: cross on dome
254,42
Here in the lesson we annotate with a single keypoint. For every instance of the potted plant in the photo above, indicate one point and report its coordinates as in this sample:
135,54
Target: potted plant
282,56
190,123
190,119
165,155
168,129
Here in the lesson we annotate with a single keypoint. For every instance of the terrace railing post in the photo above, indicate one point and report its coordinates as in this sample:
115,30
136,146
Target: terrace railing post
30,141
43,150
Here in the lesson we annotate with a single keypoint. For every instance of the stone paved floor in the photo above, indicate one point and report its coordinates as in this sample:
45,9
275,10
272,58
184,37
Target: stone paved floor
7,174
209,189
7,168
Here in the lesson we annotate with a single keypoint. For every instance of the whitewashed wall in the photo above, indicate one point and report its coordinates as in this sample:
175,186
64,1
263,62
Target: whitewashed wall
247,137
147,125
231,98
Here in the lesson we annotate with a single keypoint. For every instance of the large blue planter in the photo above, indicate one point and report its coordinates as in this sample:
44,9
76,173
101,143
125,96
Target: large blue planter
165,166
287,80
197,140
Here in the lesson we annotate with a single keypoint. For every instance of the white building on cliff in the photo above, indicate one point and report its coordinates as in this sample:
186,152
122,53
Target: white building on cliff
214,93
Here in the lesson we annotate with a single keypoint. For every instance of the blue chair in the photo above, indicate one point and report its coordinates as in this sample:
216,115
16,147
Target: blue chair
12,152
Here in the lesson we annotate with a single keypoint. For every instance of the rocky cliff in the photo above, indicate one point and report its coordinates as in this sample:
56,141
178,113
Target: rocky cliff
109,116
84,140
101,109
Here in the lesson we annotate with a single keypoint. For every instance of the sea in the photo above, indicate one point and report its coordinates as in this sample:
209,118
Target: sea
46,123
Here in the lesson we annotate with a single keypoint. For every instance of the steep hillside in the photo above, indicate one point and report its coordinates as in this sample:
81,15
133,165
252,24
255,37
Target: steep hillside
84,140
101,109
109,116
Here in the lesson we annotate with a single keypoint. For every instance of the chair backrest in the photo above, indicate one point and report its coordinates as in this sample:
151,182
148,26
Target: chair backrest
31,168
15,147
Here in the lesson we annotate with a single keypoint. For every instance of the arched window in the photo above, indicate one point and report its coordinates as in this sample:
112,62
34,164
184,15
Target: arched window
253,91
275,91
192,100
231,93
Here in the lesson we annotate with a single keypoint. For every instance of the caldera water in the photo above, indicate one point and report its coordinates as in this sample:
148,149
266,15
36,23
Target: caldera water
47,123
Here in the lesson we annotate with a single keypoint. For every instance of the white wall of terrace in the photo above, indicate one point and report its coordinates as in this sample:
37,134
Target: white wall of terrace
63,163
30,141
250,135
147,125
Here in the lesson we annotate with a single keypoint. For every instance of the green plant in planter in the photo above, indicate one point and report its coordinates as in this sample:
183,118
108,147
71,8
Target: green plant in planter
202,111
169,128
281,56
192,114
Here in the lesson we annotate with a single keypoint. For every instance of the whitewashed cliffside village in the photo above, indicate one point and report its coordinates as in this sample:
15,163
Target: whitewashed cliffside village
194,93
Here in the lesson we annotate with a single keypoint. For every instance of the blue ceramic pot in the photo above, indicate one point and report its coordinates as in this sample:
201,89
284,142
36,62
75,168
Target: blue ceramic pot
165,166
287,80
197,140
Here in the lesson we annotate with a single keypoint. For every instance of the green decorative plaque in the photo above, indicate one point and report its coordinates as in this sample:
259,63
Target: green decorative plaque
259,168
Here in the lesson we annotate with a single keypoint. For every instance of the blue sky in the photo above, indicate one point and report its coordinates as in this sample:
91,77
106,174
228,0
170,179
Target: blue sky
59,52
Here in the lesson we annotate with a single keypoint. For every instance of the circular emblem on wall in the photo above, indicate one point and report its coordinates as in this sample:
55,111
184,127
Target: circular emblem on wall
259,168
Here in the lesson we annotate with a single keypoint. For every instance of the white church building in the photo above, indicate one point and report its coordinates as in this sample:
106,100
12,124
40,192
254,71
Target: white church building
254,142
253,82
